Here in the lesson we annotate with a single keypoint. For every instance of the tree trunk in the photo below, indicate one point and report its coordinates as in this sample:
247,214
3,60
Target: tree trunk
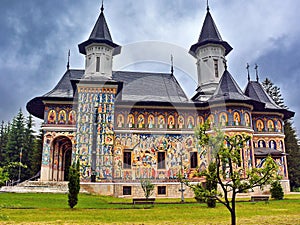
233,217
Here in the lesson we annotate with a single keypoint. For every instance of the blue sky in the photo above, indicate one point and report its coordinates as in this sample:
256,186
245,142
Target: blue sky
35,37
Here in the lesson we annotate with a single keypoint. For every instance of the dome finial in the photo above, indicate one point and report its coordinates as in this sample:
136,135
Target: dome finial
247,67
102,7
256,69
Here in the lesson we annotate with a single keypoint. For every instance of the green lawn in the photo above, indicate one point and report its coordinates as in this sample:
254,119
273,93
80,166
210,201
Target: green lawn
53,209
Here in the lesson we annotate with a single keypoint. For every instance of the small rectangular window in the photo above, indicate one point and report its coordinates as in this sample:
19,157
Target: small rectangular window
216,66
126,190
127,160
194,159
97,64
161,190
161,162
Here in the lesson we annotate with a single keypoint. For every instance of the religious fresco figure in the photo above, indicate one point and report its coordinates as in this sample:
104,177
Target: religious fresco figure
171,122
270,124
247,120
130,121
72,117
141,121
180,122
272,144
259,125
211,120
161,121
236,118
151,121
52,117
120,121
200,120
278,126
261,144
191,122
223,119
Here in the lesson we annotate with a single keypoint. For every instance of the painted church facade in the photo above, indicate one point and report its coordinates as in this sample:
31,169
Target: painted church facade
124,126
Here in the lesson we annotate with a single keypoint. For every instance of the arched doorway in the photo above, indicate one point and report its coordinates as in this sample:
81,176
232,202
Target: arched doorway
61,158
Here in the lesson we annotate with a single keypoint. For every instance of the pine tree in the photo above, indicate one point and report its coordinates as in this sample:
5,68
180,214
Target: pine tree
28,148
36,155
3,141
14,146
291,146
74,184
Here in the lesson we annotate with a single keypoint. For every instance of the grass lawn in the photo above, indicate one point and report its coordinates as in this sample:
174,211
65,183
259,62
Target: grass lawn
53,209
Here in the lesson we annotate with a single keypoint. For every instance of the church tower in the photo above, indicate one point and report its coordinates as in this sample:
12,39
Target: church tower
210,52
96,93
98,50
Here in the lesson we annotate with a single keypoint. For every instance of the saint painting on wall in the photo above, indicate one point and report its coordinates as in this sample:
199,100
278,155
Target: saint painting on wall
272,144
109,139
171,122
200,120
270,125
120,121
180,122
191,122
211,120
51,116
161,121
259,125
278,126
130,121
247,120
223,119
236,118
151,121
71,118
62,116
261,144
141,121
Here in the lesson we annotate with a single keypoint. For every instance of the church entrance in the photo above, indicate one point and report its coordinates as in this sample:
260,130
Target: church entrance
61,158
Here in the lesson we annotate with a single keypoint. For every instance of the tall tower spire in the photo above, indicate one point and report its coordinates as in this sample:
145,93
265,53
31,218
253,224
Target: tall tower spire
172,65
99,50
68,63
210,52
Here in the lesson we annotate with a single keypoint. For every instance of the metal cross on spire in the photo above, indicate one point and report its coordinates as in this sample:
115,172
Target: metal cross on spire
68,64
102,7
172,65
247,67
256,69
207,5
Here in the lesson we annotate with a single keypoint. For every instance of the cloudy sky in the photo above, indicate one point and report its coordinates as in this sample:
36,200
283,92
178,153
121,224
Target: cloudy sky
35,37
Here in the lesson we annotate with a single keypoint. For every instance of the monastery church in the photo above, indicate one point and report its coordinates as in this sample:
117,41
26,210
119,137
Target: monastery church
122,132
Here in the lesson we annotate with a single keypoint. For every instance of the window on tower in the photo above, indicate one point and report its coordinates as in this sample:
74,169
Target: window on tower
216,66
98,64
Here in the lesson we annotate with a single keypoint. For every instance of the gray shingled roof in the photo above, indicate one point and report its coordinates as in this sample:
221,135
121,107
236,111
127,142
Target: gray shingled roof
99,34
228,89
137,87
255,91
210,34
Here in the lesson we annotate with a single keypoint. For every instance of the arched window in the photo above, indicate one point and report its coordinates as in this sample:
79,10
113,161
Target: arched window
200,120
272,144
261,144
278,126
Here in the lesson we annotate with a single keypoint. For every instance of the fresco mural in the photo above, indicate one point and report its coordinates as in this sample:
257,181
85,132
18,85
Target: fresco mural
88,99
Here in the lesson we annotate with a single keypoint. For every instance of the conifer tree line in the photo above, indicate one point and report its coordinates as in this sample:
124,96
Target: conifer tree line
18,141
291,142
